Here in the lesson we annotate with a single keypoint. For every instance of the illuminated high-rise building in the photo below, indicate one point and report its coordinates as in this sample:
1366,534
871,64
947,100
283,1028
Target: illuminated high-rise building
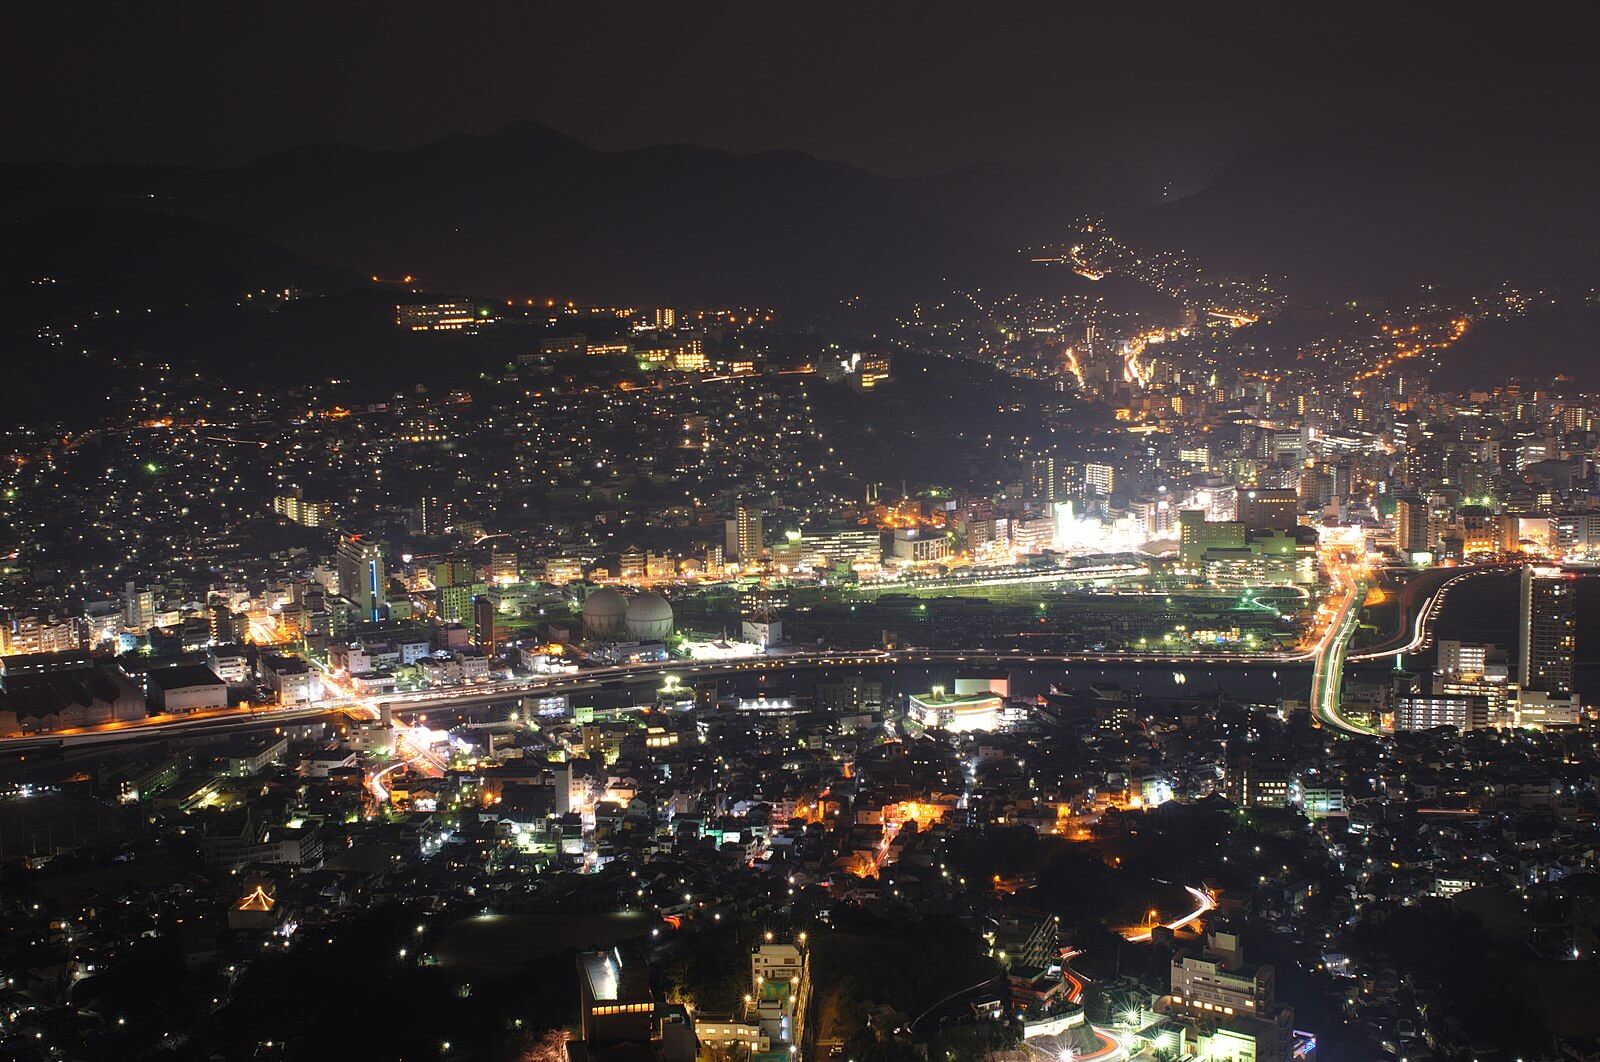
1548,630
453,604
1044,482
742,539
483,622
138,606
361,575
1412,527
433,514
1099,480
226,625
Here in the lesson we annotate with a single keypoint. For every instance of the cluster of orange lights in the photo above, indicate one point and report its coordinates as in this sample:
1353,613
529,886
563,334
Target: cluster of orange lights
1409,348
861,864
924,815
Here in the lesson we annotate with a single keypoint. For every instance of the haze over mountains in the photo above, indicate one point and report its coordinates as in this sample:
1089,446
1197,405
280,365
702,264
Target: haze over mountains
527,211
530,212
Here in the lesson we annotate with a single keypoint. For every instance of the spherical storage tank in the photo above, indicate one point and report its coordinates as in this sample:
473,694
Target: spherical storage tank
605,614
649,618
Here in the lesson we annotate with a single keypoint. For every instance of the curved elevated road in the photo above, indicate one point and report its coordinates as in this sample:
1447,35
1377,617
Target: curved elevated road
1424,597
1327,677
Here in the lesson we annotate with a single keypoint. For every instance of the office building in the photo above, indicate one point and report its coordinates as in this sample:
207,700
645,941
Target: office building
454,571
229,663
1578,534
1318,802
291,678
1196,535
1475,671
1276,558
362,581
1033,536
1264,508
845,548
453,603
914,547
1252,783
440,317
560,571
1470,658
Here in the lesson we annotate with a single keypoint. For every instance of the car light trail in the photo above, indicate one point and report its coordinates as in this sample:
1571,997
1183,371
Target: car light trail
1204,903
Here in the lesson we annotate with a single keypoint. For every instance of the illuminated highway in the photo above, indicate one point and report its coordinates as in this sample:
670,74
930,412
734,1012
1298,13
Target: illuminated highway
380,792
1327,676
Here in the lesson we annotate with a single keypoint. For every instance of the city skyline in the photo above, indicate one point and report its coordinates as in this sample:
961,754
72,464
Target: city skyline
882,533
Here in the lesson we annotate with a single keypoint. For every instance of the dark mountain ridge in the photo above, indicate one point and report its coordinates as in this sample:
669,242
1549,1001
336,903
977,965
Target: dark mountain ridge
1373,198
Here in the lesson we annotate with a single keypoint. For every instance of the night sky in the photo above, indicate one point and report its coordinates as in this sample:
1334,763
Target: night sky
898,88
